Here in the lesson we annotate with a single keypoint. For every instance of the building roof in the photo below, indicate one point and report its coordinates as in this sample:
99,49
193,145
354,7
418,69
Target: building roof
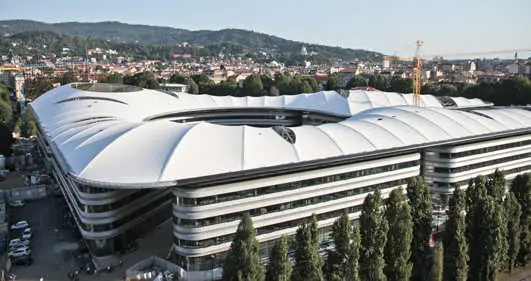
106,134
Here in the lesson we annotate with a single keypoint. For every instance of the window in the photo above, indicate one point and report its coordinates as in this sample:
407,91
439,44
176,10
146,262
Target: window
444,170
484,150
202,201
286,206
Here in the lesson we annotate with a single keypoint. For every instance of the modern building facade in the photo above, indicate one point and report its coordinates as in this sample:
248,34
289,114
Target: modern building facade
127,158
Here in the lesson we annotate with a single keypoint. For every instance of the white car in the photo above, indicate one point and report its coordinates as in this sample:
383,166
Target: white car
17,203
20,224
26,234
19,252
18,242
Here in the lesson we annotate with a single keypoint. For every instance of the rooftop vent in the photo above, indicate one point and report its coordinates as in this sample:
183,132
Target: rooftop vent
286,133
446,101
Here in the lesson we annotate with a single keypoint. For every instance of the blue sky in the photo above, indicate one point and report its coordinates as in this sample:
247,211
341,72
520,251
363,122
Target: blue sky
389,26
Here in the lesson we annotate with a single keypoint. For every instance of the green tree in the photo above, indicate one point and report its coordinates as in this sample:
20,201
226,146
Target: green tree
436,268
68,77
430,89
397,252
485,249
381,83
333,82
279,268
421,212
243,259
475,191
496,188
312,83
308,263
373,234
145,80
28,125
401,85
6,113
513,212
252,86
192,86
113,77
496,185
455,244
33,88
6,139
178,78
274,91
521,186
203,82
356,81
342,262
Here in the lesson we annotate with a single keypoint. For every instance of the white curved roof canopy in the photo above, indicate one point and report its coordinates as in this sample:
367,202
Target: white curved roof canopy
103,136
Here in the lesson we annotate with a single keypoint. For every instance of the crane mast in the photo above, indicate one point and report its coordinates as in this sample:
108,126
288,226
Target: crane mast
417,74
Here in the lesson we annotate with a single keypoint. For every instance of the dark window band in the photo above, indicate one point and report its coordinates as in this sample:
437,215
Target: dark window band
202,201
286,206
444,170
484,150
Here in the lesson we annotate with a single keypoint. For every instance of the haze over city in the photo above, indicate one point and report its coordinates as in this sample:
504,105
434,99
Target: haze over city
390,27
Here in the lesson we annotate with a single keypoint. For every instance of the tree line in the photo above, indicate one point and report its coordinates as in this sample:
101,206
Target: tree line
12,120
511,91
487,231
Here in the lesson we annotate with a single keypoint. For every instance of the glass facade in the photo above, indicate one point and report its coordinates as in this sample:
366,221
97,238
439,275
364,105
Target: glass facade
444,170
484,150
203,201
128,218
286,206
466,182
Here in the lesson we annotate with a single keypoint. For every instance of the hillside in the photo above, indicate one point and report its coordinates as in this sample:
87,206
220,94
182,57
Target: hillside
249,41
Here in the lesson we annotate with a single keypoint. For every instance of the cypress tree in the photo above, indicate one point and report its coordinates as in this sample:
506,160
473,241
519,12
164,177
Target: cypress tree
496,185
496,188
486,246
373,234
436,268
342,262
243,260
513,212
421,212
521,187
455,244
279,264
308,264
397,252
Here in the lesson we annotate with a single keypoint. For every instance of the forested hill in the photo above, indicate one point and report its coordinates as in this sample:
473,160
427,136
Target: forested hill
154,35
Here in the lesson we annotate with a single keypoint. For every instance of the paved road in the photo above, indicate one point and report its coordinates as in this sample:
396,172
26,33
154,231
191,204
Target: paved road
55,245
519,275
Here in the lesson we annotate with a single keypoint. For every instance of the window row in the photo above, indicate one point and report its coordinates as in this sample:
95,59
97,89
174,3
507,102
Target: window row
115,224
202,201
481,164
114,205
91,189
484,150
467,181
261,230
190,223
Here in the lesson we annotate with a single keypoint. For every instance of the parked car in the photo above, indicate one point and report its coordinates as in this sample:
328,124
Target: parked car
17,203
18,242
20,224
19,252
26,234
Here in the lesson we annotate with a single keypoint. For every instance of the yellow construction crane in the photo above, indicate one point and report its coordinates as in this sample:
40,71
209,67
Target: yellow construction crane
417,71
417,64
9,68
